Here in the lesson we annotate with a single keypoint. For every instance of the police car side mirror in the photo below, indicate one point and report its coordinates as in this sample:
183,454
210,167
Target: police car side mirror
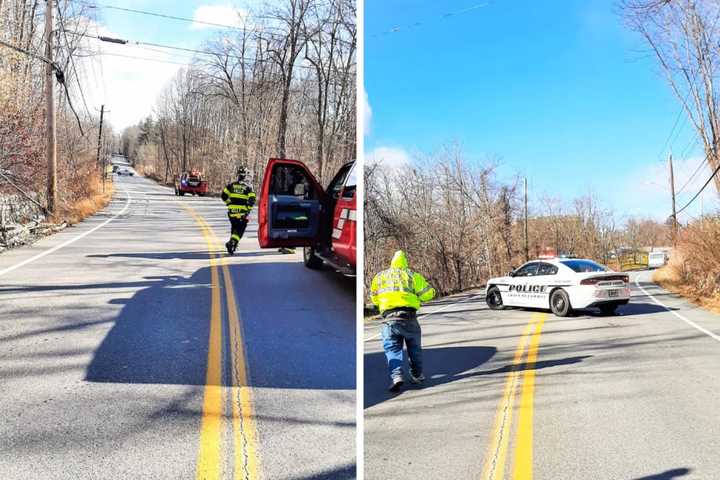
511,273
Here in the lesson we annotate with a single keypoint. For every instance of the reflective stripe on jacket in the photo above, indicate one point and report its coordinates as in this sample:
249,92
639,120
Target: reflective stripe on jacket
400,287
239,198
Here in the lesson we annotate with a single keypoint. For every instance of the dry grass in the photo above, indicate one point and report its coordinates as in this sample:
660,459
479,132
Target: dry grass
694,269
95,201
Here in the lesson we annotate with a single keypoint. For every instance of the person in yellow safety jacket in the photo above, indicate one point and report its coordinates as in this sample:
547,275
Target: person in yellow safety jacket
398,292
239,198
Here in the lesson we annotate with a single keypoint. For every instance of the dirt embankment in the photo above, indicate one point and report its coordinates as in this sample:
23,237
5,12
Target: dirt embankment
694,268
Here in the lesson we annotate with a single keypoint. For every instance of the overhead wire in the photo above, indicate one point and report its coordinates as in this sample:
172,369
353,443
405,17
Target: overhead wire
175,17
398,29
692,177
134,57
701,189
174,47
59,76
72,62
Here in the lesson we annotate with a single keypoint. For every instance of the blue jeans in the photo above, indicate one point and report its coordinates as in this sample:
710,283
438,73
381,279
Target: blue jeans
394,333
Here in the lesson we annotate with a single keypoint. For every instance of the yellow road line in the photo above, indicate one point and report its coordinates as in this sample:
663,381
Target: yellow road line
244,431
499,440
246,460
209,455
523,464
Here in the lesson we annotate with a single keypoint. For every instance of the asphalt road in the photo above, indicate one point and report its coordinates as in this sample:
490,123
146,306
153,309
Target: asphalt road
136,349
524,394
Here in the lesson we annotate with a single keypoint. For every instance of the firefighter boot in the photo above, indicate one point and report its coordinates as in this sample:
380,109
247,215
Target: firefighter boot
231,245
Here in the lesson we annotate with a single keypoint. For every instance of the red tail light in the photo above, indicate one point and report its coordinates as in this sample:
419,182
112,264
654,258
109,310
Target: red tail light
613,278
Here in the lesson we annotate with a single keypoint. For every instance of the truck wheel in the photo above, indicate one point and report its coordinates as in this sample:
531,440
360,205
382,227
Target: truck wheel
311,260
494,299
560,303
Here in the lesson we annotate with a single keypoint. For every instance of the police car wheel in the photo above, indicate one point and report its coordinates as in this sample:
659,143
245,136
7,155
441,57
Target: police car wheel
560,303
493,299
310,259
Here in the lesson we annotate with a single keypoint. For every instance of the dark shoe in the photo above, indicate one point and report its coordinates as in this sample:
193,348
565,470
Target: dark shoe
416,380
229,247
395,385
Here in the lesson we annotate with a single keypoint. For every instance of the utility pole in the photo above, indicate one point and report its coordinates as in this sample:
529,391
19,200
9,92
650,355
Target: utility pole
674,212
526,222
102,113
52,195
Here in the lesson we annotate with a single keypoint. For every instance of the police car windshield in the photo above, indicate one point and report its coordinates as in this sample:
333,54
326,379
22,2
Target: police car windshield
582,266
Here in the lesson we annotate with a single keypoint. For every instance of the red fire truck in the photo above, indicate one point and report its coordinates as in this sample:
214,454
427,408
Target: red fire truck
191,182
296,211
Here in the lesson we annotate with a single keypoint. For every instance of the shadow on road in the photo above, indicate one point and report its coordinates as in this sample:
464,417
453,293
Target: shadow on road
298,330
345,472
667,475
445,365
632,308
442,365
197,255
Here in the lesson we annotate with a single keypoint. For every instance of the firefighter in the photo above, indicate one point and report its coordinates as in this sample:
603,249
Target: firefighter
398,292
239,198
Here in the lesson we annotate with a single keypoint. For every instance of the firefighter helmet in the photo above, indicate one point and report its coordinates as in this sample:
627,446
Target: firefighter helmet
242,173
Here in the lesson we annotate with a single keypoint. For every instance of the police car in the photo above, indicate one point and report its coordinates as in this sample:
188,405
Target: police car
560,284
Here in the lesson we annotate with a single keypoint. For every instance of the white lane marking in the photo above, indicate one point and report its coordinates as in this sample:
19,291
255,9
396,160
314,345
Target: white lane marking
68,242
377,335
688,321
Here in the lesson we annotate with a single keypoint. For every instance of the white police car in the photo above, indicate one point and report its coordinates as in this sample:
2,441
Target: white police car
561,285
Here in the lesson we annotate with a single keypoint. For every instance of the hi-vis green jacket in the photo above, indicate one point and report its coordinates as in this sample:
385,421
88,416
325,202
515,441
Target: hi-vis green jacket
400,287
239,198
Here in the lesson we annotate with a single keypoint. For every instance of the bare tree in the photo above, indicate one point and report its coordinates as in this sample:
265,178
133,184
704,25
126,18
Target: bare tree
684,37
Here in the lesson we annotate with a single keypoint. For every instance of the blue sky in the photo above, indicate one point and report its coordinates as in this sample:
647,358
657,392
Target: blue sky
129,87
559,91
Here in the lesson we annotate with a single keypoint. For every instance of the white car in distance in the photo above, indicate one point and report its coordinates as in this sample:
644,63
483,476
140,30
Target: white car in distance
561,285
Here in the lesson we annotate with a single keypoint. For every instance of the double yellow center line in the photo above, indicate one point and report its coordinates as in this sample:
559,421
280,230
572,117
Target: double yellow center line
522,373
210,462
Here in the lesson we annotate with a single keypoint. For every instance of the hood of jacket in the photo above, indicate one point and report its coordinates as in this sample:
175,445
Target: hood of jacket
399,260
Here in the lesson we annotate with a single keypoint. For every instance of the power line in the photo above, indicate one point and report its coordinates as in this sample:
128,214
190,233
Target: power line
122,41
442,17
692,177
701,190
59,75
31,54
173,17
133,57
672,130
72,61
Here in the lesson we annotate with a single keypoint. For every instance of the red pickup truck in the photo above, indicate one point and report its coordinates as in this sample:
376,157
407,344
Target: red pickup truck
191,182
296,211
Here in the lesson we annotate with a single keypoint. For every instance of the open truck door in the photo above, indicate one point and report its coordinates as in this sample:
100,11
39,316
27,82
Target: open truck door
291,207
